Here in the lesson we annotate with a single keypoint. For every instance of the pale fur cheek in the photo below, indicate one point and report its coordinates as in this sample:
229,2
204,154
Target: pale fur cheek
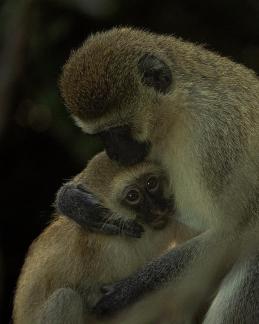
140,129
141,126
83,125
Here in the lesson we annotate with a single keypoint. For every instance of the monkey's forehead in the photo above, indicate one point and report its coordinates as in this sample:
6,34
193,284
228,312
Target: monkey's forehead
100,74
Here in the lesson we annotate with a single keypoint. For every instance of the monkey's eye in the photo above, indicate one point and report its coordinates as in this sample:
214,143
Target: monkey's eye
152,184
133,196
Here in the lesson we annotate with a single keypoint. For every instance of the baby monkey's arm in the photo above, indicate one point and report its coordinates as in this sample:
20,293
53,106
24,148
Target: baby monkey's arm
80,205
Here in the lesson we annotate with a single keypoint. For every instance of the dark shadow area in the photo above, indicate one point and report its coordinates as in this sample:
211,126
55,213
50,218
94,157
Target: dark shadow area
40,145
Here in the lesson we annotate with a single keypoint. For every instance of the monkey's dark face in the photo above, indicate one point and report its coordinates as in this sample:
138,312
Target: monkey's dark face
119,142
146,197
113,85
122,147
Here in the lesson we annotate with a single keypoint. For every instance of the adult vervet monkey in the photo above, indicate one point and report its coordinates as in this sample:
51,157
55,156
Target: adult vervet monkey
197,114
67,264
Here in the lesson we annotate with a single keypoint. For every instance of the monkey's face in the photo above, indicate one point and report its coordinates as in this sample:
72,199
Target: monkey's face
147,199
108,192
114,86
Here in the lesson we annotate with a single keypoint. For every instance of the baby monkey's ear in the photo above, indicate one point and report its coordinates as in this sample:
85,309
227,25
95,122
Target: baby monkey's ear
155,73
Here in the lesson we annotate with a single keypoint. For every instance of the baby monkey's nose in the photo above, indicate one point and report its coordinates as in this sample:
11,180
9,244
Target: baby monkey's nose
158,217
158,212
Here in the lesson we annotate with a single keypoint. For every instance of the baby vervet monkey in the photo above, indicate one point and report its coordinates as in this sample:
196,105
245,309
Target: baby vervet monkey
69,262
197,114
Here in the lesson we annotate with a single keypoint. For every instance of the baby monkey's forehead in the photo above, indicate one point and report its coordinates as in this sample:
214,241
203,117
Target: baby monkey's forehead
137,174
107,179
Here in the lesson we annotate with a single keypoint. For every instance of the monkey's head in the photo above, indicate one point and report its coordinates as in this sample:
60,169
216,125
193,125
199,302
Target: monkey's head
117,84
137,192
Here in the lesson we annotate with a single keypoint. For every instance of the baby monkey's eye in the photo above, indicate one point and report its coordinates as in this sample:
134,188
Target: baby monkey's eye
152,183
133,196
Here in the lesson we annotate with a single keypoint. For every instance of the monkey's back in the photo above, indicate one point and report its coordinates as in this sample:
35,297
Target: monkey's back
54,260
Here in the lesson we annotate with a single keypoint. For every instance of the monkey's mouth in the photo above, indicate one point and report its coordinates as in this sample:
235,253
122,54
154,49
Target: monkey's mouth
159,223
156,219
159,218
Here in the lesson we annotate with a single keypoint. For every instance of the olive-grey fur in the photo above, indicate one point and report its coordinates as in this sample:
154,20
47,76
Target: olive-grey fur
204,131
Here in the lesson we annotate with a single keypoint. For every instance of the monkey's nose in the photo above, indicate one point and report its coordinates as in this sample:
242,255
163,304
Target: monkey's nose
159,212
158,219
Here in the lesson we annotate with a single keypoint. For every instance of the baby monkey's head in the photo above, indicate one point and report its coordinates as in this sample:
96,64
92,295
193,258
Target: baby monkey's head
138,192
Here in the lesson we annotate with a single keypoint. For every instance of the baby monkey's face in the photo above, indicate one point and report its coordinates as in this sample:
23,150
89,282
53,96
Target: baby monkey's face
108,193
146,198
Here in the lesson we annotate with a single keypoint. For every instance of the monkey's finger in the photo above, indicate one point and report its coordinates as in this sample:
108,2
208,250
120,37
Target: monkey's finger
109,304
133,229
106,228
107,289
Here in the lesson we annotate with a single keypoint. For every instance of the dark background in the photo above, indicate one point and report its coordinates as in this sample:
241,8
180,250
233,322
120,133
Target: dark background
40,146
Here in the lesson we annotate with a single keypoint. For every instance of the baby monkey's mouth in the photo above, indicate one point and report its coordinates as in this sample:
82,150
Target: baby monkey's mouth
159,222
159,216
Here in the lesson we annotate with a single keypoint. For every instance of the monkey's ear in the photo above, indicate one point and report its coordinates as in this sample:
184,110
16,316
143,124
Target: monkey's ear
155,73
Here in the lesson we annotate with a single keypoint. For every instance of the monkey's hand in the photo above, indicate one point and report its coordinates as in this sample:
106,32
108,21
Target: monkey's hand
168,268
80,205
127,291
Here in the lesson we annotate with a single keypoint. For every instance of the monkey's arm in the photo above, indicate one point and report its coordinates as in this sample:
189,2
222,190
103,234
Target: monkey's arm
81,206
242,305
207,250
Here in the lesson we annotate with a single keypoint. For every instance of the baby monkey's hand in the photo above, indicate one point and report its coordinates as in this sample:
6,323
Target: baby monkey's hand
75,202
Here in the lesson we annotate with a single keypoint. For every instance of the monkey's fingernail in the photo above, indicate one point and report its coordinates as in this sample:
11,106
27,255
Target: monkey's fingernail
81,187
104,290
107,289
